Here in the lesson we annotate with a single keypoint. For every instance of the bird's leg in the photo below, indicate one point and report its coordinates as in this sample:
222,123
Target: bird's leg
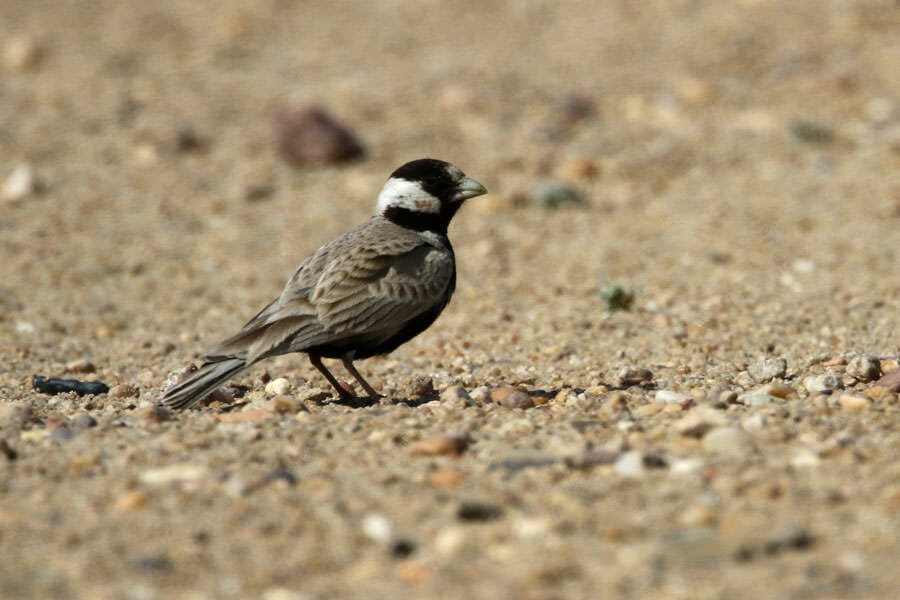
317,363
348,364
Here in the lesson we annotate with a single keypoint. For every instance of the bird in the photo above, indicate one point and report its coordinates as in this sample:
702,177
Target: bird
362,294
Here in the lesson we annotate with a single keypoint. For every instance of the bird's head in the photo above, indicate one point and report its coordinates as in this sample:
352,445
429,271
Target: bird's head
425,194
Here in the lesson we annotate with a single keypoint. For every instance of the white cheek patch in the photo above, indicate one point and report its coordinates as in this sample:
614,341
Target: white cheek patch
408,195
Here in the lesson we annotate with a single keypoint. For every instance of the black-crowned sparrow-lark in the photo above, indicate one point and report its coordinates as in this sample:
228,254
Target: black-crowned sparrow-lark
362,294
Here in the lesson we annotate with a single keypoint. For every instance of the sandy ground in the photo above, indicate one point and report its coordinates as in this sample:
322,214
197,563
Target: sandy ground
739,163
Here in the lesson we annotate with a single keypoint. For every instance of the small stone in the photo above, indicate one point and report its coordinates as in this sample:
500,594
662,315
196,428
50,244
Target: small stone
630,464
554,195
889,365
445,479
668,396
825,383
278,387
311,136
776,389
629,376
377,528
20,53
854,402
480,395
186,474
470,510
446,445
756,399
124,390
80,365
767,369
421,386
890,381
19,184
456,396
864,368
789,537
729,441
811,133
805,459
131,501
517,399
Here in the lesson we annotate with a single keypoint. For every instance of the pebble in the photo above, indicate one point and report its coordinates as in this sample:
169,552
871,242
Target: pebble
554,195
20,53
668,396
864,368
805,459
890,381
767,369
854,402
729,441
19,184
421,386
629,464
131,501
311,136
456,396
777,389
480,395
377,528
757,399
441,445
628,376
822,384
175,474
510,397
278,387
889,365
80,365
124,390
472,510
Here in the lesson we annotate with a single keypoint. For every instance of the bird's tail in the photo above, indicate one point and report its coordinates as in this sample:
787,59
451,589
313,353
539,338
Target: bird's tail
203,381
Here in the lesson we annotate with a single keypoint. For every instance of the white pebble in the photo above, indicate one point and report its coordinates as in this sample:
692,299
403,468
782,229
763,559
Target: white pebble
630,464
377,528
19,184
278,386
671,397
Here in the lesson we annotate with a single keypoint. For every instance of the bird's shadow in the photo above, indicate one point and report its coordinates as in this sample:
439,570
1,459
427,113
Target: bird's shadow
369,401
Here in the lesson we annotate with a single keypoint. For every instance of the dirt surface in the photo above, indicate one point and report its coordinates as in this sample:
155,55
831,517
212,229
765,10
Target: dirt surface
725,437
